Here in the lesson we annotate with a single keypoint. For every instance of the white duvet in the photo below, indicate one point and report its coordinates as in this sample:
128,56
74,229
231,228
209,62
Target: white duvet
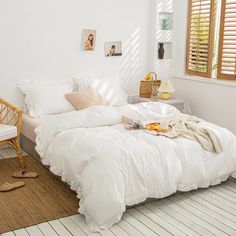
111,167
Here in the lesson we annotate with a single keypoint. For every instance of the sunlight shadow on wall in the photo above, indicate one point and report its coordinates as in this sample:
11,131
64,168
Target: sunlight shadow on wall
131,62
131,69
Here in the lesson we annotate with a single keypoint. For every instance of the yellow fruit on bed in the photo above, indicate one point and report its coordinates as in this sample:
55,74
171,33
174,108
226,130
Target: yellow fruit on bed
153,127
156,127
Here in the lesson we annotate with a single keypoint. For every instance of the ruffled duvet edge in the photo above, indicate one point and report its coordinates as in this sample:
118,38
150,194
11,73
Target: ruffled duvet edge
94,227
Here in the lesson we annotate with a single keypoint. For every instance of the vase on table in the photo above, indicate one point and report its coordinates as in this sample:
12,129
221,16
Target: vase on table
161,51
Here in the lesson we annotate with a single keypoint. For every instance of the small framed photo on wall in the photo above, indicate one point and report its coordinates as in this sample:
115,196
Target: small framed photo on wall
89,40
113,48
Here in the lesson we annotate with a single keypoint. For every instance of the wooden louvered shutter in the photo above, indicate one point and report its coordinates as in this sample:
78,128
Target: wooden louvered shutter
227,47
200,37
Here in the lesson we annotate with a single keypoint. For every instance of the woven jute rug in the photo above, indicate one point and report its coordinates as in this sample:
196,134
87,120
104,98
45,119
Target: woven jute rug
41,199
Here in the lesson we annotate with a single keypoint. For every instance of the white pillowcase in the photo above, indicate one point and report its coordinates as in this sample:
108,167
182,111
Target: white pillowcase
108,87
44,98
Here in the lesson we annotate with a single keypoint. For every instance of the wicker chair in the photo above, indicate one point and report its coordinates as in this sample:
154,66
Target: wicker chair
10,125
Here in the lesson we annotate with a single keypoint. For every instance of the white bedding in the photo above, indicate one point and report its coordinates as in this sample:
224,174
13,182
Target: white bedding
111,167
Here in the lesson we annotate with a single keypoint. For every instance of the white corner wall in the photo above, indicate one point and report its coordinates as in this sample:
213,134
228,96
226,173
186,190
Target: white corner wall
210,101
41,40
161,67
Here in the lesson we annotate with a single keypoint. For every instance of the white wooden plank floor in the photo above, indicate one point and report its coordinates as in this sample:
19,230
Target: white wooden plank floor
203,212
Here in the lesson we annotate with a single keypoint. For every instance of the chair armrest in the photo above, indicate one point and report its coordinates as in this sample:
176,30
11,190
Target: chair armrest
10,115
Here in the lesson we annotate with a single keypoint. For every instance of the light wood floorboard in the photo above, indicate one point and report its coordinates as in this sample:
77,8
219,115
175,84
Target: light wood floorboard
204,212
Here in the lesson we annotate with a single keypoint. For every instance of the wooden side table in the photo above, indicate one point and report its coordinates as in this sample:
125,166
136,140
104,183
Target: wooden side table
179,103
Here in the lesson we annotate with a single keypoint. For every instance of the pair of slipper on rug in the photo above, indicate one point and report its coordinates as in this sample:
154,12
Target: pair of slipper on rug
17,174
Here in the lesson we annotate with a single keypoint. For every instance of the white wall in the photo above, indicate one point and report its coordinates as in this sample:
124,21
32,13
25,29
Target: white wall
41,40
161,67
214,102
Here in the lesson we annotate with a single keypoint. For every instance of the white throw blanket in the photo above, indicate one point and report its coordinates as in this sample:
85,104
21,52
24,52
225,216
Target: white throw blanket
111,167
189,128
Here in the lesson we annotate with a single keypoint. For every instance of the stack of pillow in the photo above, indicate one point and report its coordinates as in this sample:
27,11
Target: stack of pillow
54,97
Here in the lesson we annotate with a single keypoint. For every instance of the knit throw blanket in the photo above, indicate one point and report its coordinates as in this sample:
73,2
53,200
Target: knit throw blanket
187,127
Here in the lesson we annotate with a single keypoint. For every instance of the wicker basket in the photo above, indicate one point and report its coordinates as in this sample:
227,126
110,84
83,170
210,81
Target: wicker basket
146,85
146,88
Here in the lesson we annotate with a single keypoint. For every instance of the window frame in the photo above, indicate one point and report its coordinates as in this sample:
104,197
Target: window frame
211,38
220,75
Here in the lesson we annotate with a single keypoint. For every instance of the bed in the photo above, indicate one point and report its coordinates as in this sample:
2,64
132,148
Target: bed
111,167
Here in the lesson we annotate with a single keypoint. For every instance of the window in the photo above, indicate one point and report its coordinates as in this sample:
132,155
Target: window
227,48
211,39
200,37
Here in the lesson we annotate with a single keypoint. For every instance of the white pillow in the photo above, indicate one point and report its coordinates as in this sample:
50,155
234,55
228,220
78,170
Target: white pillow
44,98
108,87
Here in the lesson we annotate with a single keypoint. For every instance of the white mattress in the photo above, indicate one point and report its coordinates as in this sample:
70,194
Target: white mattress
29,124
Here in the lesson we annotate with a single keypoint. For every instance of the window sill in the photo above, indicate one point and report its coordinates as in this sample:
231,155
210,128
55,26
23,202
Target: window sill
206,80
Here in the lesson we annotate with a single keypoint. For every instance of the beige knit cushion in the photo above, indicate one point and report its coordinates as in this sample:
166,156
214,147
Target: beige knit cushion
85,98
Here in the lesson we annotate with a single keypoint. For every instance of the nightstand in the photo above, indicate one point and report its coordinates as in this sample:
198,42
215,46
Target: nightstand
179,103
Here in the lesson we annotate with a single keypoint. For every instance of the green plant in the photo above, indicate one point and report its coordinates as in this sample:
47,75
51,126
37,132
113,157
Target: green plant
215,67
165,23
200,41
